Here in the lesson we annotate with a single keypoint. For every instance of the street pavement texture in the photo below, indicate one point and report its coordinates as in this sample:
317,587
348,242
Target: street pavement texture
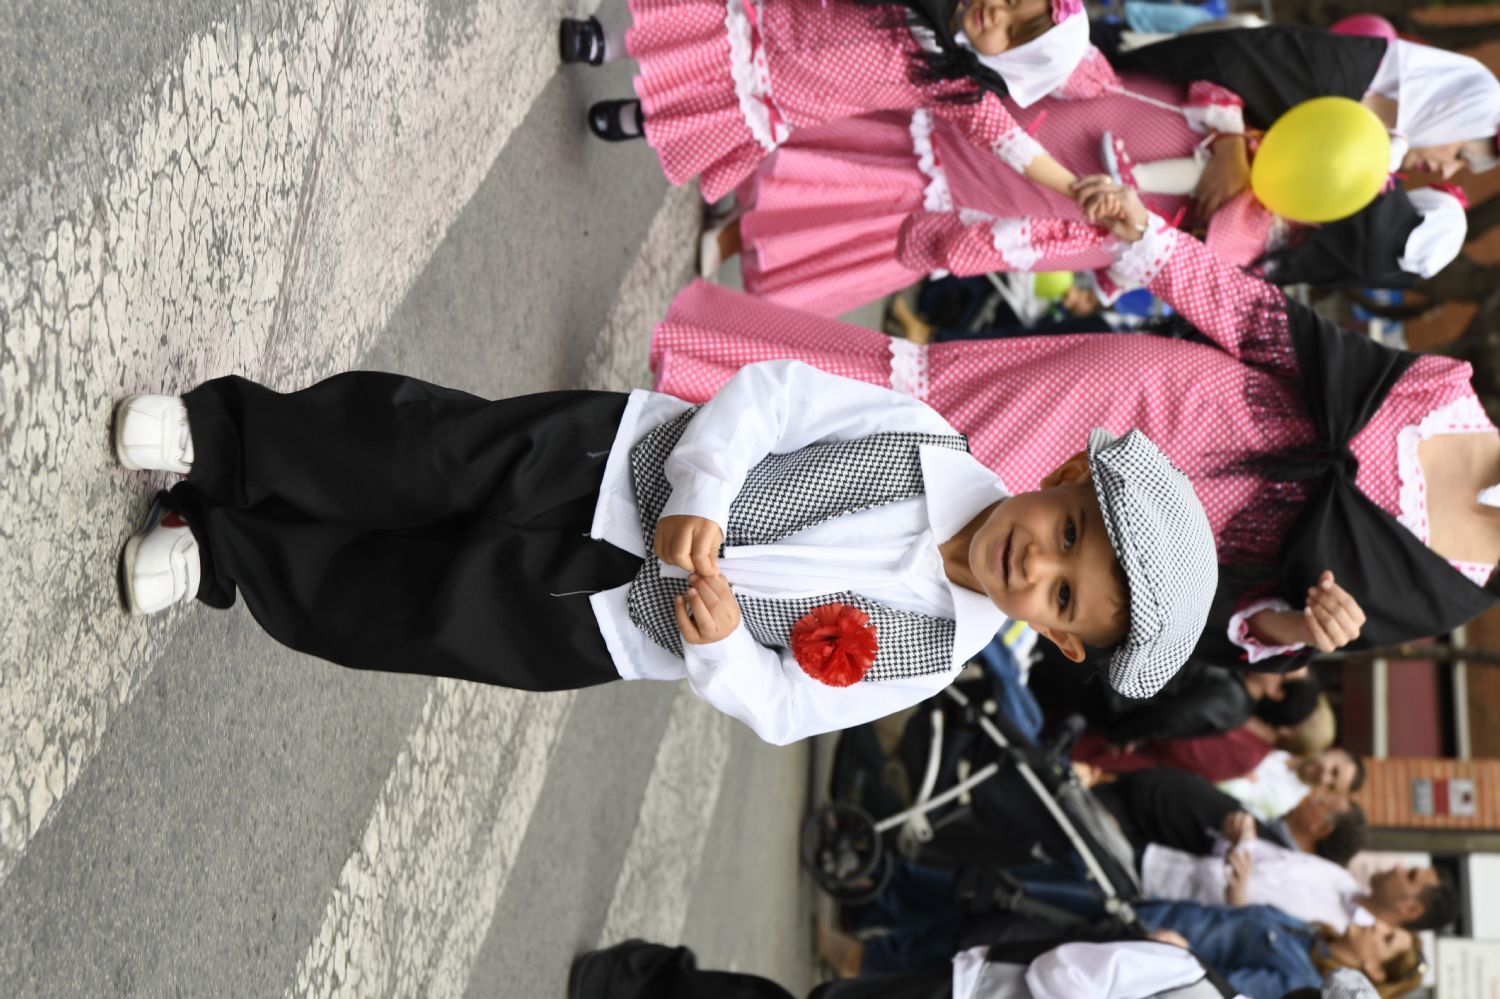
285,191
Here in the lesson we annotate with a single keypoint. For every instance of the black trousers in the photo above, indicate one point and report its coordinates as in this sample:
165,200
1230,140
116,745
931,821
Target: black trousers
384,523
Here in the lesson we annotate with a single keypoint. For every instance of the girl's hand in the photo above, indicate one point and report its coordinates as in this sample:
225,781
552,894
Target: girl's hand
1226,175
690,543
1118,209
708,611
1332,615
1330,620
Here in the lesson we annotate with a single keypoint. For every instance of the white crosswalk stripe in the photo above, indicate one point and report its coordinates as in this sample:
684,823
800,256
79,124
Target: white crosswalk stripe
281,194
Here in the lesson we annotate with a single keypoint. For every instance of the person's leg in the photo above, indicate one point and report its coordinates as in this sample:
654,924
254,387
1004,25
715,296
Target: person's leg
381,450
473,598
327,510
922,944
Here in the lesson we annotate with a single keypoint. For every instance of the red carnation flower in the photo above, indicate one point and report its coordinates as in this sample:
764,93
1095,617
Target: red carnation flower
835,644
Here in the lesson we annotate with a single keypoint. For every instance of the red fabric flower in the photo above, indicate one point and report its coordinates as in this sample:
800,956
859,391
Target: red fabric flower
835,644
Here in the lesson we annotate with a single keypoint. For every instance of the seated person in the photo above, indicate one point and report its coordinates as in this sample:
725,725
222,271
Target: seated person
1281,780
1219,757
1247,870
1182,810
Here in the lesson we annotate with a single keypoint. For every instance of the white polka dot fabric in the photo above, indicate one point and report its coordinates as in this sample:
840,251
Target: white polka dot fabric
1161,537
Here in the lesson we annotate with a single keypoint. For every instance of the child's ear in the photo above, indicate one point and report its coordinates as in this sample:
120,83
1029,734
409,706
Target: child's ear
1067,642
1075,469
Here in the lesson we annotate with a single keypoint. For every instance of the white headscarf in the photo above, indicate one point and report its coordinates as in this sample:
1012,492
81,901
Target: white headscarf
1439,237
1034,70
1440,96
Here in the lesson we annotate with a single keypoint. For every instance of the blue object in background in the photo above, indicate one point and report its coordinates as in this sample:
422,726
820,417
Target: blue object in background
999,661
1138,303
1168,18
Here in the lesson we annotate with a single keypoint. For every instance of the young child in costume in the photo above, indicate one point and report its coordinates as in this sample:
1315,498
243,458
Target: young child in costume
830,218
1313,449
808,552
723,82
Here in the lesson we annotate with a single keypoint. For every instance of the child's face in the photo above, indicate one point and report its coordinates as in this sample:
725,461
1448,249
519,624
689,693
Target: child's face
994,26
1044,557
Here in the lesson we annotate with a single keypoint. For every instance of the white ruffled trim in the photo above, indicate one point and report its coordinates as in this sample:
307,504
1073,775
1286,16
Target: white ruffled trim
1140,262
1011,236
909,368
1239,631
752,77
1464,415
1225,119
1017,149
936,197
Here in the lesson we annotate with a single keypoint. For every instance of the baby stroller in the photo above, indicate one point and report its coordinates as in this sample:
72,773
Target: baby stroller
958,742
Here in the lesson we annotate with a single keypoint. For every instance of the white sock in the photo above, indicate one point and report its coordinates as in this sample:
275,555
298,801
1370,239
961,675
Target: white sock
632,119
1175,176
614,43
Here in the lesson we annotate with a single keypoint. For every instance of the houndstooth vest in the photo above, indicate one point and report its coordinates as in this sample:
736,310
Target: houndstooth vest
782,495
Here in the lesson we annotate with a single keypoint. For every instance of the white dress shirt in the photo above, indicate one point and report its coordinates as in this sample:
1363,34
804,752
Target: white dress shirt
888,553
1270,790
1300,884
1126,969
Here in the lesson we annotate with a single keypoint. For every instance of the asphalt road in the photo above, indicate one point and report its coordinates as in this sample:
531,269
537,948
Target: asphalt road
190,189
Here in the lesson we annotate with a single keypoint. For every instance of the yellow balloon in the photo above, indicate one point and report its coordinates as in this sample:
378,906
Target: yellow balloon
1323,160
1053,284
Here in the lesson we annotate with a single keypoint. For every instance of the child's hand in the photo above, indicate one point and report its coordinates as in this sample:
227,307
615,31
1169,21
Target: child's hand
690,543
1119,209
1226,174
708,611
1333,617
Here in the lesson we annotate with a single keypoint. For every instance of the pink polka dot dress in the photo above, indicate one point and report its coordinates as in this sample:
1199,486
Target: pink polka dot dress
1027,404
854,210
724,82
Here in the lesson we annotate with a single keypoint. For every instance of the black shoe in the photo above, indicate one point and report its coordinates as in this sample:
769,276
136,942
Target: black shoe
581,41
604,120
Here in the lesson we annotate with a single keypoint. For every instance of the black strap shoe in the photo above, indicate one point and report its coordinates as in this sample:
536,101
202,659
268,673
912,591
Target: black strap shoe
604,120
581,41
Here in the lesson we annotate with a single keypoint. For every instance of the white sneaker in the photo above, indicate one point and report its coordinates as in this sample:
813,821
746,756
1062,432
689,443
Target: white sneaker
151,434
159,566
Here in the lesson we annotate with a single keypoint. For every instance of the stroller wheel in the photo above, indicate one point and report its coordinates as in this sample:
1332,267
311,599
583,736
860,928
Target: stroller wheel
842,851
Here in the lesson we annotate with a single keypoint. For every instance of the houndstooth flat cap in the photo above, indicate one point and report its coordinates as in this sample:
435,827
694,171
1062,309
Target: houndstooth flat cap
1161,536
1346,983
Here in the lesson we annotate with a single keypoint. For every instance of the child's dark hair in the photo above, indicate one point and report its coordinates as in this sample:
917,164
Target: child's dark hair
951,62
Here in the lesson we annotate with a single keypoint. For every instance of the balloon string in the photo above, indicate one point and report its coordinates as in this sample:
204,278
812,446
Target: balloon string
1149,100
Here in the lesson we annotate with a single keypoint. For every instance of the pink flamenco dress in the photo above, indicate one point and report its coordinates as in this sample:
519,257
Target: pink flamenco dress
1222,413
724,82
854,210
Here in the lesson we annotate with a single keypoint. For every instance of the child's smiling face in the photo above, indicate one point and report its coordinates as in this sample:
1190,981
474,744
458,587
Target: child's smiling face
995,26
1044,557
